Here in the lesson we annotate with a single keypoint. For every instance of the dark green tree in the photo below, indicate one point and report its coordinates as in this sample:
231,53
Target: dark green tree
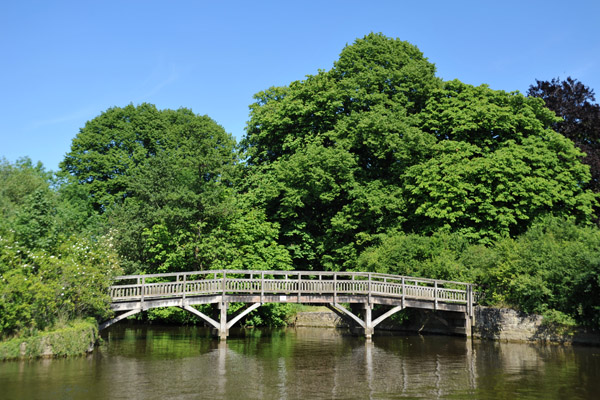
575,104
143,166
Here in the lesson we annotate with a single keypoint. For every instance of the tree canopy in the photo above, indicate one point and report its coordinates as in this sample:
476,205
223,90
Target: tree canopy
379,143
117,144
494,166
164,180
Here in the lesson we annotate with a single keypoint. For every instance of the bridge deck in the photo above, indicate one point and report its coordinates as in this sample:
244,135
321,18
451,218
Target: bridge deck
140,292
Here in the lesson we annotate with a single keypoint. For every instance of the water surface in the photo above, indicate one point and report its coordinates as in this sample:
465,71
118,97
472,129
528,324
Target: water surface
150,362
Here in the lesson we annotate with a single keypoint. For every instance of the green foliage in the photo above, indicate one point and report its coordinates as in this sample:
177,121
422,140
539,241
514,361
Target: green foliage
17,183
324,154
270,314
73,339
378,144
35,222
163,179
542,269
38,289
114,146
20,179
52,268
175,316
489,196
557,318
436,256
495,167
553,269
246,241
243,241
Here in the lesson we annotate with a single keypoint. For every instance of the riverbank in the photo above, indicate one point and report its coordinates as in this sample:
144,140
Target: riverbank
500,324
79,337
509,325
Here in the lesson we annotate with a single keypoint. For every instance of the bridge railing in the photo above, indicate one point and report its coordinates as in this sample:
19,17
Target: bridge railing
214,282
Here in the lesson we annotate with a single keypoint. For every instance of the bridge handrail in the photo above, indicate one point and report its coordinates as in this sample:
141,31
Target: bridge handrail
223,272
291,283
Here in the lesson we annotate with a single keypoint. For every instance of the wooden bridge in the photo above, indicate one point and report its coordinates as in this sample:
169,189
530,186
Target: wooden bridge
132,294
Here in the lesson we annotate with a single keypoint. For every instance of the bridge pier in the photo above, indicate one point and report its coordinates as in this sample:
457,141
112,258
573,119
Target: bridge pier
468,325
369,328
223,328
367,324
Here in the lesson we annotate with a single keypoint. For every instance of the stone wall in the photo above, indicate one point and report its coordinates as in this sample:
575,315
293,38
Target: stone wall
490,323
511,325
319,319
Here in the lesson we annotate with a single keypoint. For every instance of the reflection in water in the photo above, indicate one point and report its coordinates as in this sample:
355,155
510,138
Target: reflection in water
186,363
369,366
222,379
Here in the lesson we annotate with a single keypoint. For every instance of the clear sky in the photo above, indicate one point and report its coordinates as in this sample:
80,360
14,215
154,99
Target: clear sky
64,62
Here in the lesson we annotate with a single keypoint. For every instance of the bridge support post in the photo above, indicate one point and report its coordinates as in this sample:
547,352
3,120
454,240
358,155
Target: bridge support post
223,330
369,328
468,325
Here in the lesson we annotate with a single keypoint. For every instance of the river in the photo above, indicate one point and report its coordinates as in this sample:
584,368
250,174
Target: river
152,362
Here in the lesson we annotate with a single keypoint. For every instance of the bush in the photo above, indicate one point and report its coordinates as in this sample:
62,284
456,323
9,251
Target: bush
39,289
72,339
552,269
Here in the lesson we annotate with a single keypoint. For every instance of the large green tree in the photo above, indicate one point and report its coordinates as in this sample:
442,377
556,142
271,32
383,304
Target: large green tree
326,152
379,144
114,146
164,181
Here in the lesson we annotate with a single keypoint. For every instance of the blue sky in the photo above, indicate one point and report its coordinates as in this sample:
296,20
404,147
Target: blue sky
64,62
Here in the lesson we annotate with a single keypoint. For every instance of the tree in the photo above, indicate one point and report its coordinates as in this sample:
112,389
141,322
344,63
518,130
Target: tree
495,166
17,182
378,144
112,147
52,269
169,190
574,103
145,167
324,154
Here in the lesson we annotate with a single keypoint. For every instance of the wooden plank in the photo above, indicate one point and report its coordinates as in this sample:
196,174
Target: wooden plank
119,318
348,313
386,315
201,315
243,314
